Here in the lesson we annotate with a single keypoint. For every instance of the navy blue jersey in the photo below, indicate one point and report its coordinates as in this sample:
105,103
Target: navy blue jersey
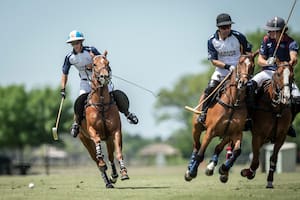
286,45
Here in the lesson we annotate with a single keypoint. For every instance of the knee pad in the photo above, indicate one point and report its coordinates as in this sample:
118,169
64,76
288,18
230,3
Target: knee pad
211,86
122,100
79,106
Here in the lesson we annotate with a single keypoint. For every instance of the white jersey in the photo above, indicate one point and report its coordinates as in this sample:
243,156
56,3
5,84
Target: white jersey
80,61
228,51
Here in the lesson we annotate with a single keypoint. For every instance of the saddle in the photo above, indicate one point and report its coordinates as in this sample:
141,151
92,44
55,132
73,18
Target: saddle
118,97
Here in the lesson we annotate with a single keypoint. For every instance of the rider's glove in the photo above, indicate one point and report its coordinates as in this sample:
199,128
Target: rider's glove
271,61
63,93
229,67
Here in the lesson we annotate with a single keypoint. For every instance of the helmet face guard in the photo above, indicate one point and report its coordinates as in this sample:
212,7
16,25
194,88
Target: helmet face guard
75,36
223,20
275,24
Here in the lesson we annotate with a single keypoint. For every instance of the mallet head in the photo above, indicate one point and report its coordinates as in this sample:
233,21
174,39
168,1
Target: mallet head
54,133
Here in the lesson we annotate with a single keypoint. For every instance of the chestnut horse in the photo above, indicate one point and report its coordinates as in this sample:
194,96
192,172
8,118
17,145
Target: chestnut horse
271,119
102,123
226,118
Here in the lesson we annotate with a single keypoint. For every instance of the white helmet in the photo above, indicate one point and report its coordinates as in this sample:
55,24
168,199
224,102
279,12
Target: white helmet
75,36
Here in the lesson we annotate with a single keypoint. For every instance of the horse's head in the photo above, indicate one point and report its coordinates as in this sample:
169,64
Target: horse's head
101,70
244,70
282,80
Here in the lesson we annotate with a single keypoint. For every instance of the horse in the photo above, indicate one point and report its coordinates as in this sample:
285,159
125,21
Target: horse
102,123
225,118
271,117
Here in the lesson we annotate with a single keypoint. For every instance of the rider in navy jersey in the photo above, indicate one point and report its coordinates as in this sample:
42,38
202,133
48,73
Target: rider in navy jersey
287,51
81,58
225,47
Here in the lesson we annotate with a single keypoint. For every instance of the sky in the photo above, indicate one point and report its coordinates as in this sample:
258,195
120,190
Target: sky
152,43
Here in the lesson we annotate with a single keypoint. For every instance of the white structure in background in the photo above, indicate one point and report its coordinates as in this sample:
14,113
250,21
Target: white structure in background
286,157
160,151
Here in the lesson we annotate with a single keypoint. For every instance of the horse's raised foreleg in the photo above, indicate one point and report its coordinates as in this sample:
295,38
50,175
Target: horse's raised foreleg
193,169
119,155
225,167
214,160
110,150
273,162
196,133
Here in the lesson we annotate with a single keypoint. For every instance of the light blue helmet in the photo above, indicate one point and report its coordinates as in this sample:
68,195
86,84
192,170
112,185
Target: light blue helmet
75,36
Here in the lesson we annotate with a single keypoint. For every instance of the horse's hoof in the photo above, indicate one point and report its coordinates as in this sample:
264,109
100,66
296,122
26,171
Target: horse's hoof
114,178
109,185
124,177
223,170
247,173
209,172
270,185
224,178
187,176
244,172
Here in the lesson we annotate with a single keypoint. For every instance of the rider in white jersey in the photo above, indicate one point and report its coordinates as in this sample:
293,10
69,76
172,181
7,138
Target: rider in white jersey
225,47
81,58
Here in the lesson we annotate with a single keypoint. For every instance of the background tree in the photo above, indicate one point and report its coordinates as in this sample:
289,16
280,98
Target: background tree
26,118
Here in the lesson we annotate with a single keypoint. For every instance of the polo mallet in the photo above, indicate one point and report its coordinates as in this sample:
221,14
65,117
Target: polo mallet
54,129
194,110
283,30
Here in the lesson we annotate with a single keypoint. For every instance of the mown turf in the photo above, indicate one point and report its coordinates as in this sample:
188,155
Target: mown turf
147,183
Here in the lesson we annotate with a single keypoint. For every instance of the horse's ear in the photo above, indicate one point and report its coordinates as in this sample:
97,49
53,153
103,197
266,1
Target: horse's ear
105,53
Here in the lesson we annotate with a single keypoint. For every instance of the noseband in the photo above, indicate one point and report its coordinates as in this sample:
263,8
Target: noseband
102,79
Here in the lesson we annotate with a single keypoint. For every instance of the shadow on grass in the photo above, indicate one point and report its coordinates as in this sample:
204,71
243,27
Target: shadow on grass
141,188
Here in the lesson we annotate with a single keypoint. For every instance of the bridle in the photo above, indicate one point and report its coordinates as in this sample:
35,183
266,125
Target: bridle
99,80
102,79
243,75
281,92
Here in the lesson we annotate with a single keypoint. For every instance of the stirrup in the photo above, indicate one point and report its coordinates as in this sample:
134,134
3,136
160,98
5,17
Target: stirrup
132,118
75,129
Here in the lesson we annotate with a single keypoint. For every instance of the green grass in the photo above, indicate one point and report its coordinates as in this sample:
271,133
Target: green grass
147,183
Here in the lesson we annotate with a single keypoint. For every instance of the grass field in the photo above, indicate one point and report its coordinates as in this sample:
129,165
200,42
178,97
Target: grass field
147,183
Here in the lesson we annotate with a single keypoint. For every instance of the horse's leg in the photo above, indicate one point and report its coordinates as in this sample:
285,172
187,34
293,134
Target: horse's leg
110,150
119,155
273,162
257,142
90,146
192,172
225,167
99,156
196,133
214,160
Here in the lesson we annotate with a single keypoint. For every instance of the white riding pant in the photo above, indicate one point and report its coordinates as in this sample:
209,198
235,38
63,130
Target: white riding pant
219,74
264,75
85,87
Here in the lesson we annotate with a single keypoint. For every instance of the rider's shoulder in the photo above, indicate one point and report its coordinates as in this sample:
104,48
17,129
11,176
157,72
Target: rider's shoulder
237,33
91,49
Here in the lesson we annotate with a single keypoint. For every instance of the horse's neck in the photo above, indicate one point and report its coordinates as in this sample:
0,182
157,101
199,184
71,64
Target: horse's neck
100,94
231,89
